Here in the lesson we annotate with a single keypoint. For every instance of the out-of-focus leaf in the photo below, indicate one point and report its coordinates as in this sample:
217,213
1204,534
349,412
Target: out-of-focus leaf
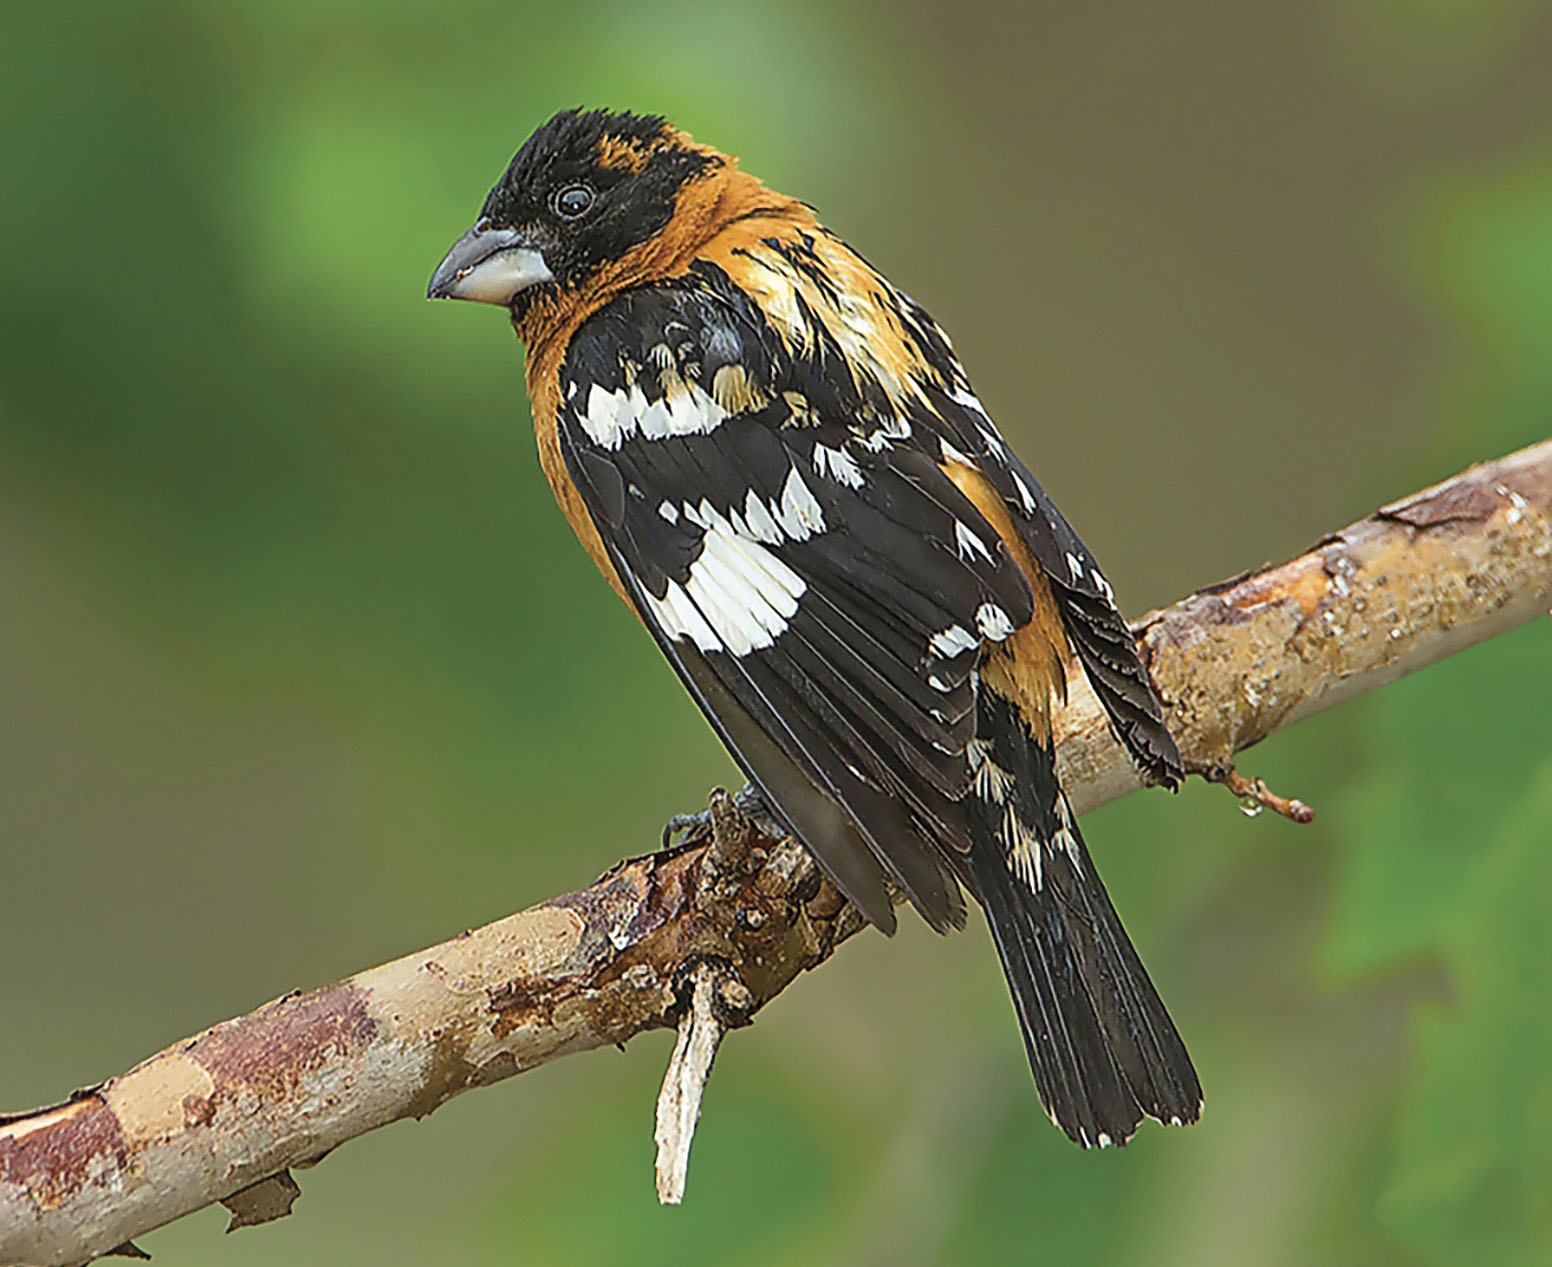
1447,752
760,1188
1475,1148
1484,250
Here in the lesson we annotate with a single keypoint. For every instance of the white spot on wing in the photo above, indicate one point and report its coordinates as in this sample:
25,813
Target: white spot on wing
951,642
1075,566
798,513
983,422
601,419
1026,494
669,512
1068,841
838,465
686,410
994,441
758,520
969,544
968,399
891,429
951,454
993,622
613,417
678,618
739,596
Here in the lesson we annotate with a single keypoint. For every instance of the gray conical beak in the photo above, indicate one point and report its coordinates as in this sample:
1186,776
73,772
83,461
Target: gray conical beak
489,266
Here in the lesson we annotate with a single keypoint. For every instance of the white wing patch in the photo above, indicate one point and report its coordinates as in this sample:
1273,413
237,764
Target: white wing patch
969,543
1026,494
967,398
838,464
798,513
613,417
890,430
797,516
983,422
757,520
951,454
1066,836
738,597
993,622
990,781
677,616
952,641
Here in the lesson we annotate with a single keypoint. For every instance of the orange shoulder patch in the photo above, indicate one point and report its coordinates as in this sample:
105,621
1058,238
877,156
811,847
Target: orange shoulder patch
1028,668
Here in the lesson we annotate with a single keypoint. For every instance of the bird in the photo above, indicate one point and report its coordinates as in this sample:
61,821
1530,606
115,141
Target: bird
775,458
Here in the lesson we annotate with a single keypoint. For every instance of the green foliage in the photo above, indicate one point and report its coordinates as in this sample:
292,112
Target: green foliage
1484,248
755,1139
1474,1146
1438,779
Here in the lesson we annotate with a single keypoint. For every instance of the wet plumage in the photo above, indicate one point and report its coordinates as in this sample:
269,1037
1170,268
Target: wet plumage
776,459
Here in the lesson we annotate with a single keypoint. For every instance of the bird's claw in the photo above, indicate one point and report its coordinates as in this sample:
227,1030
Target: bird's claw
747,801
683,822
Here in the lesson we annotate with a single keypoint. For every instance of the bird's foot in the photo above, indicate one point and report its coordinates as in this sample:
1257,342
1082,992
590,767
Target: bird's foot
747,803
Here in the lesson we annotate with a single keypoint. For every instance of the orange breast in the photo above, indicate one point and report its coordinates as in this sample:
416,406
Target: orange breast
544,394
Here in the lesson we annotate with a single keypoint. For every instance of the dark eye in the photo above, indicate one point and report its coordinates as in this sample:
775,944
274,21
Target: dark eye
573,201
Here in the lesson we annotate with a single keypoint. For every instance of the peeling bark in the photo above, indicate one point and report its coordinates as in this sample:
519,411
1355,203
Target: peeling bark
223,1116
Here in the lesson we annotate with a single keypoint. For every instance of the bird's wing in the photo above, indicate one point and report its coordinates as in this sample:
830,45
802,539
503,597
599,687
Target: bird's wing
965,433
804,562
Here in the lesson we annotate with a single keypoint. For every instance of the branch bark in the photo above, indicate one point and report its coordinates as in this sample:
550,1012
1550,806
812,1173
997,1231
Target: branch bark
223,1116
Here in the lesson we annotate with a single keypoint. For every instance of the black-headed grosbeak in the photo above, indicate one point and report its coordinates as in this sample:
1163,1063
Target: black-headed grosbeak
776,459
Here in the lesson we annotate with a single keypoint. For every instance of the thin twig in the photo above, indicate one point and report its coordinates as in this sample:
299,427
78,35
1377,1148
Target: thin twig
1255,796
718,1001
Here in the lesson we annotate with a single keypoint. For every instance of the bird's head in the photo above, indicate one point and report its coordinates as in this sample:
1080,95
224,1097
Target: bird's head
588,197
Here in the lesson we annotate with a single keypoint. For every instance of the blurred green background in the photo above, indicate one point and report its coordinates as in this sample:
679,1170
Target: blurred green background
300,668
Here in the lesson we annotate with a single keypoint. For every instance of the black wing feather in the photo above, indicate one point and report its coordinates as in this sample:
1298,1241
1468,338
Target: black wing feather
1097,631
849,688
826,592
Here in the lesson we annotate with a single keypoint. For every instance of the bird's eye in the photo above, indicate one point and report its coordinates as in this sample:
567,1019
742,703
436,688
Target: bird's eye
573,201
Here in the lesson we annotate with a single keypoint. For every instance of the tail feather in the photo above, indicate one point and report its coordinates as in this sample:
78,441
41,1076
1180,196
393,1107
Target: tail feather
1102,1048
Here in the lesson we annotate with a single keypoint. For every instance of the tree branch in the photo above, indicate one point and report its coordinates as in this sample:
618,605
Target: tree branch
732,916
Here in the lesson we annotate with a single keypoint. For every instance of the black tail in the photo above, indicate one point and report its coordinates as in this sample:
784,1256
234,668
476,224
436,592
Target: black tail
1103,1050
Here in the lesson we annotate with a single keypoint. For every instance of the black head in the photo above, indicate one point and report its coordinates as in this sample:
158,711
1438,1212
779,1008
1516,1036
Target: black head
585,189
